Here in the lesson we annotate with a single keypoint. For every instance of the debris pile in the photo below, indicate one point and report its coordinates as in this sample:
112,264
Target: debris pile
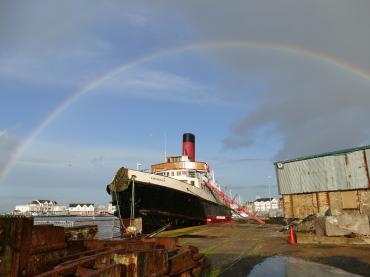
334,229
50,253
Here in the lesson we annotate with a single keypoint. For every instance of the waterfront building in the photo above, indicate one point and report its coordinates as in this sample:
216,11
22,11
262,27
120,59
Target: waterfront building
40,207
249,206
22,209
84,209
111,208
264,205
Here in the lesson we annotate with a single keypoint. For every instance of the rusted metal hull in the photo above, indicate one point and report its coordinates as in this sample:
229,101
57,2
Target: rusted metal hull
50,254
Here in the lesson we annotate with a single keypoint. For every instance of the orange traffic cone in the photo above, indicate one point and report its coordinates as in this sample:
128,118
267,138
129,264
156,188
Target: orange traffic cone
291,235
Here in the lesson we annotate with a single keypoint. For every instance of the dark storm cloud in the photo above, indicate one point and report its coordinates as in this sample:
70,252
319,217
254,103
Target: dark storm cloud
310,105
313,111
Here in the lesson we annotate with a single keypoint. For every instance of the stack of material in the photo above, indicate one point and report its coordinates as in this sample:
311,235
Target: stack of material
51,254
339,229
343,225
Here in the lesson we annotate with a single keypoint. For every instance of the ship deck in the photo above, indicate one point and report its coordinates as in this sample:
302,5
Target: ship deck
234,250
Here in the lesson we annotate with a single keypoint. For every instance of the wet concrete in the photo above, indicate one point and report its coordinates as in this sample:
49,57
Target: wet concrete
289,266
239,250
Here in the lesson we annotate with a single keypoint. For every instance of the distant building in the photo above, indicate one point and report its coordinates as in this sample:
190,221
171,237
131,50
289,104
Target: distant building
22,209
40,207
81,209
249,206
264,205
111,208
101,209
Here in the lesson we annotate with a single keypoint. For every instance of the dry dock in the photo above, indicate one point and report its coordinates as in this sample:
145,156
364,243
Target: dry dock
234,250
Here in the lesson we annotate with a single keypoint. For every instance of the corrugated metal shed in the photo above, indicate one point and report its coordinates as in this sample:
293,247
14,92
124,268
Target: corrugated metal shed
335,171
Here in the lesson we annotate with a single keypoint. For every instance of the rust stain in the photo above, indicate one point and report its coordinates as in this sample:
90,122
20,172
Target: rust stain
346,160
328,198
366,168
291,205
50,254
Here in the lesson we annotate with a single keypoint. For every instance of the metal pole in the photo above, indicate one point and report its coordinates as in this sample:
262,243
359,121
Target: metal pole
269,178
132,217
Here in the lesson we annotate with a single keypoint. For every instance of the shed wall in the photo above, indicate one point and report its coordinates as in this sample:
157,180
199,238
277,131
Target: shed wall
349,171
319,203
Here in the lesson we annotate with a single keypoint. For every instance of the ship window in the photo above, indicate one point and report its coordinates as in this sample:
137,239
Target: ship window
192,174
192,183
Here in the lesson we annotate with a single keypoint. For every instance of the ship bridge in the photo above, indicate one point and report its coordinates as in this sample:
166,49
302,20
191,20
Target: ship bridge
179,163
182,168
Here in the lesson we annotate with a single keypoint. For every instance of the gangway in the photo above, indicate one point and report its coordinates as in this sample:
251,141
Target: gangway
232,203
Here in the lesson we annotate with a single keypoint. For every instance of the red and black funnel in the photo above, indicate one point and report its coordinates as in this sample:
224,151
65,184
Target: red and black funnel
188,146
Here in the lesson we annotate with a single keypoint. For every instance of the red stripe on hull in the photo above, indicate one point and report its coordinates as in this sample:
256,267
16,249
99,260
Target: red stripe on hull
218,219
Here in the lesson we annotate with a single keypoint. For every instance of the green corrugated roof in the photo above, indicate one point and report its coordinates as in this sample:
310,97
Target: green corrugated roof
333,153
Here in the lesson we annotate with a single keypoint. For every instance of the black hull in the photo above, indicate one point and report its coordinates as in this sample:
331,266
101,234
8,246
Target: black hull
158,206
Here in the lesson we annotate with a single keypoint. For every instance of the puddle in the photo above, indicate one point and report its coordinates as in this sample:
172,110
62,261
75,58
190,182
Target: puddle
289,266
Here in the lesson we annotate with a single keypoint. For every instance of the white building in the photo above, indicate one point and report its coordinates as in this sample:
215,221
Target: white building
81,209
111,208
264,205
40,207
22,209
249,206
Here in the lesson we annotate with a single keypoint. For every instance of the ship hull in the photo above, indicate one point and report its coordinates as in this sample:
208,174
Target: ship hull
159,206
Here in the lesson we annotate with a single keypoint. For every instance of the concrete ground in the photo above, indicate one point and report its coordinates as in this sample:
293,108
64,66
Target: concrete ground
234,250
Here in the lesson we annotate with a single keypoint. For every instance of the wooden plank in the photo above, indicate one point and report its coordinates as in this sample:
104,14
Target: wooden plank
349,199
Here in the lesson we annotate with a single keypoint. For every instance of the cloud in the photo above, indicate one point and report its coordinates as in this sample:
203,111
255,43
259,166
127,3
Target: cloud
53,43
316,112
156,84
307,105
338,27
46,154
47,26
68,172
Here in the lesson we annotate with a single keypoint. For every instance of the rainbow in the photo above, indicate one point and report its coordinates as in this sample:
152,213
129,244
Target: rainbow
283,48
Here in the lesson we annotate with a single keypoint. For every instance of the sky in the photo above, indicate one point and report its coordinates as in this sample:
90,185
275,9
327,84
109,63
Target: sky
255,81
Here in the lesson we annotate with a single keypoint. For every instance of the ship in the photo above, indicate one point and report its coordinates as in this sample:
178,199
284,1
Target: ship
179,192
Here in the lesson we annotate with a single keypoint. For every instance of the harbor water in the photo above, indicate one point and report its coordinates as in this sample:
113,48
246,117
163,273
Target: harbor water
108,226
